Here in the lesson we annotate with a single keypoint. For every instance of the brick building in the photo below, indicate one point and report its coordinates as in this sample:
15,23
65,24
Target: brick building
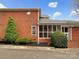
31,23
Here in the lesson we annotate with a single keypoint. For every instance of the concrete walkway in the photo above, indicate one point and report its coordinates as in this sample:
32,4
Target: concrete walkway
35,52
38,48
26,47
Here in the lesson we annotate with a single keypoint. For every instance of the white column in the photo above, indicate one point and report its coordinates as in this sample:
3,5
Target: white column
38,35
52,28
43,30
61,28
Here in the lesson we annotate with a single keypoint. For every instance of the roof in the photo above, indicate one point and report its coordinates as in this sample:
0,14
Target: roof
44,16
66,22
19,9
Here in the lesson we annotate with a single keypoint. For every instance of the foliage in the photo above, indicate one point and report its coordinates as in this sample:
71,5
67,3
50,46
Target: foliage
23,40
58,40
11,33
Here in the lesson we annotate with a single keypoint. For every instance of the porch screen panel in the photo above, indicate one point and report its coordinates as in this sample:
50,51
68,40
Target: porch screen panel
65,30
45,31
40,30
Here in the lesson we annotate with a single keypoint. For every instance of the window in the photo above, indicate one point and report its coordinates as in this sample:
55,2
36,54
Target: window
49,27
46,30
33,29
40,34
64,29
49,34
45,34
58,27
54,27
40,28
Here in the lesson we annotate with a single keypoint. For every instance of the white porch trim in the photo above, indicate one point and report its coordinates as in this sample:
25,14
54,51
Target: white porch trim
38,28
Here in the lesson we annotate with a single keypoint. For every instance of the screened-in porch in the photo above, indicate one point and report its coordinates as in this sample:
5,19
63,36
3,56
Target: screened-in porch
46,30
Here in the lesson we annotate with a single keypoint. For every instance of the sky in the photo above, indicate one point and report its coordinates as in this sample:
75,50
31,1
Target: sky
56,9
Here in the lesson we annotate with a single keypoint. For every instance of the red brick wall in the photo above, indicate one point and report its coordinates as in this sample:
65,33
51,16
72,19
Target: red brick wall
45,40
74,43
23,22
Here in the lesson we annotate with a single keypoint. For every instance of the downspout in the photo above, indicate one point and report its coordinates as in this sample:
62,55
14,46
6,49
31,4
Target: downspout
38,26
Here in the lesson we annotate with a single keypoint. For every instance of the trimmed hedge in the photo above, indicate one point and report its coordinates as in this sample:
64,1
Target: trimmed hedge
23,40
58,40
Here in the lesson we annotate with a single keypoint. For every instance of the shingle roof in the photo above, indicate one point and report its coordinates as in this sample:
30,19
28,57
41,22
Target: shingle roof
50,21
19,9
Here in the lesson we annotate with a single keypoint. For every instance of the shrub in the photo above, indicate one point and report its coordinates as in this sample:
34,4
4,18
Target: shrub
58,40
11,33
23,40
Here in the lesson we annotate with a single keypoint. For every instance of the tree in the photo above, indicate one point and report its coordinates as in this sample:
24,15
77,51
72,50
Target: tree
11,33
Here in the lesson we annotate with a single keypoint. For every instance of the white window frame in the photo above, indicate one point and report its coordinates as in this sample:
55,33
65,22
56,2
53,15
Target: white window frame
44,32
66,33
47,31
32,29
